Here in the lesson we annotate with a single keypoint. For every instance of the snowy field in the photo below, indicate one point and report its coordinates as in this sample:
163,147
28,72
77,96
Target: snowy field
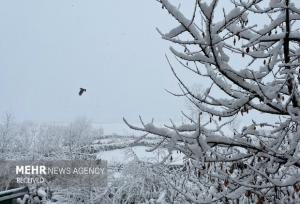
127,154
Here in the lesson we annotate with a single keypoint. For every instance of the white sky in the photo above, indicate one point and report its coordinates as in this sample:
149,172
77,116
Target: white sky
50,48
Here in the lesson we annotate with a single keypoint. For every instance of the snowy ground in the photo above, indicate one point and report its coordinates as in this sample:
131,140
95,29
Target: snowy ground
127,154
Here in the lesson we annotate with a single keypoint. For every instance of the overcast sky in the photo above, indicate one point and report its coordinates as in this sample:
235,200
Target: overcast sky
51,48
48,49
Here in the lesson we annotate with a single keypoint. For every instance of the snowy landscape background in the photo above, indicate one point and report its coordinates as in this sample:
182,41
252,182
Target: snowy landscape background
187,101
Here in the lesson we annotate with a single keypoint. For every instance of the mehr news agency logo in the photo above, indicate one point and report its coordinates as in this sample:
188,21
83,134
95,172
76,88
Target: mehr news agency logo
37,173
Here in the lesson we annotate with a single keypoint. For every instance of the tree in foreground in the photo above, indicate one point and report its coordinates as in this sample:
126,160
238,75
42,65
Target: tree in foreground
248,55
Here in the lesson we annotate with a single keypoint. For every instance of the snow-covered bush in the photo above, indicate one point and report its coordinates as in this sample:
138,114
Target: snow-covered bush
77,135
140,182
145,182
137,184
7,132
29,140
247,57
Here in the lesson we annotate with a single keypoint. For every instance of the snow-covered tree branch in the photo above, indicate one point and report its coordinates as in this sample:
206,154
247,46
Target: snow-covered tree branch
249,57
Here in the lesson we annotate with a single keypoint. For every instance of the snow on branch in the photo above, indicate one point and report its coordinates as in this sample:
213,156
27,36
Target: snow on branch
248,69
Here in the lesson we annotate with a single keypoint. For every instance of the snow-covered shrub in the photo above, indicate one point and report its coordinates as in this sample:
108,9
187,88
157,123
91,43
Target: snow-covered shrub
29,140
7,132
140,181
77,135
137,182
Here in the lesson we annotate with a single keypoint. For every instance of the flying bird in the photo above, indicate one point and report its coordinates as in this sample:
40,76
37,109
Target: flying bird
81,91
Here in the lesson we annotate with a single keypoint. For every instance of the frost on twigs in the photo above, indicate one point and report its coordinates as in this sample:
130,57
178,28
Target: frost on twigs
248,56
